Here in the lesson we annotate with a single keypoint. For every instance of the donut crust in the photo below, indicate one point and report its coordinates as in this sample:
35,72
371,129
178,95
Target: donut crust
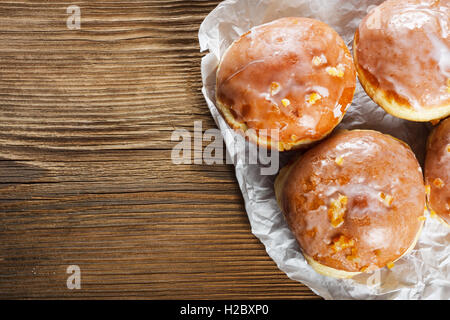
437,172
293,75
406,80
374,232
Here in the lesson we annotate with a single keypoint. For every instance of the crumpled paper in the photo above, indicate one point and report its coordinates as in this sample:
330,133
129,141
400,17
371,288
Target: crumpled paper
425,272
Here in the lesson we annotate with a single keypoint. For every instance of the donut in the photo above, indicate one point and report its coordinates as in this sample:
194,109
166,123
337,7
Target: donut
402,57
437,172
355,202
286,84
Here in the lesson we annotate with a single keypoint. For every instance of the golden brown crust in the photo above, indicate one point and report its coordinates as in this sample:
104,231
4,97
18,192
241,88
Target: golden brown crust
336,273
437,171
401,56
355,202
294,75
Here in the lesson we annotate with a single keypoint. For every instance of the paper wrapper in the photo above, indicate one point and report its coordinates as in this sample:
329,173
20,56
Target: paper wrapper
425,272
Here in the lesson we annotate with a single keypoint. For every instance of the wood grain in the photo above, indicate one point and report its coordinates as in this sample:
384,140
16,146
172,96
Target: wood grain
86,178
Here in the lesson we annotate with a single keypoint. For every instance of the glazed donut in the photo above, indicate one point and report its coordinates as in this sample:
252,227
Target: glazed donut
437,172
286,83
402,56
355,202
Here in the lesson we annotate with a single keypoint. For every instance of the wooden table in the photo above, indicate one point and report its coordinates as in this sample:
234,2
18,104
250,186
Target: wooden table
86,177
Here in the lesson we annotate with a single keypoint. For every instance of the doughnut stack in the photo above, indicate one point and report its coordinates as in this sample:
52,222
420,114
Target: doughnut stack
354,200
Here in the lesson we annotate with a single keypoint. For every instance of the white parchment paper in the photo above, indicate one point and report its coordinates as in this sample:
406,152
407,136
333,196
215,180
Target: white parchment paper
423,274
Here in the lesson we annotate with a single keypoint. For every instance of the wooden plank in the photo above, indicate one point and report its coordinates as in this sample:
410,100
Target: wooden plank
86,176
